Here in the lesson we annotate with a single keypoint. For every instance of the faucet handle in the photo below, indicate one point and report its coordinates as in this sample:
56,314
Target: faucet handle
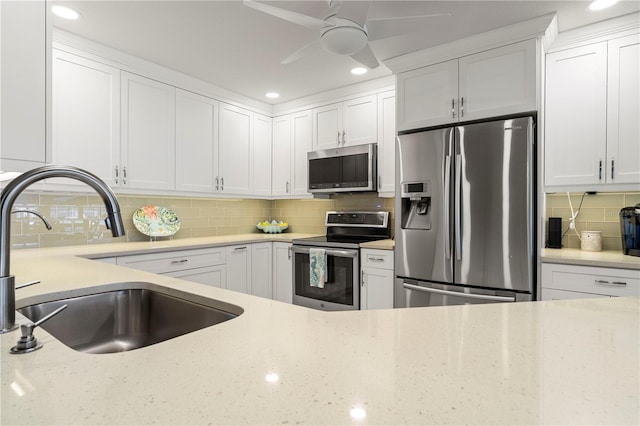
28,342
27,284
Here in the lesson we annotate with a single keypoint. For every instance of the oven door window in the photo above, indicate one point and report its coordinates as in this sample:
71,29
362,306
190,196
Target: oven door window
339,284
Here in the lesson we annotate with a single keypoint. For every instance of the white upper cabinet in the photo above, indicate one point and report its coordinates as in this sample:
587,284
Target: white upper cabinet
148,133
495,82
235,150
427,96
196,142
498,82
301,143
281,156
592,110
623,110
351,122
85,117
261,161
576,115
23,97
386,143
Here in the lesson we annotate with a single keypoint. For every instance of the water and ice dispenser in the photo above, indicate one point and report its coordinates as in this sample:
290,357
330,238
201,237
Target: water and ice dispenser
416,205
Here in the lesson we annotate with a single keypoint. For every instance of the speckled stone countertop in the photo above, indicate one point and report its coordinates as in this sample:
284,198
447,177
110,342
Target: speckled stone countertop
604,259
380,245
572,362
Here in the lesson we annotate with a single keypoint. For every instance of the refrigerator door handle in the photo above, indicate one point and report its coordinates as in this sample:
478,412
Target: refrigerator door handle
458,195
459,294
447,212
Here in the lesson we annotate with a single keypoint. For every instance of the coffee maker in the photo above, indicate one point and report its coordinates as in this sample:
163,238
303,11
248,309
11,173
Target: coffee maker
630,230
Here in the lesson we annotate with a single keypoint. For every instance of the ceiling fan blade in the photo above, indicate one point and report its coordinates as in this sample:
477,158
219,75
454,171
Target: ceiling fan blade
380,28
304,50
366,57
355,11
293,17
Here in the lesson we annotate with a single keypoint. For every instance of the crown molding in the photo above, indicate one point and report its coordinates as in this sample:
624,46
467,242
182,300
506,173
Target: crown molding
74,44
599,31
533,28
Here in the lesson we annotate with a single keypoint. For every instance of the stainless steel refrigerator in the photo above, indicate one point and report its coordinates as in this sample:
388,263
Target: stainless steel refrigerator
465,214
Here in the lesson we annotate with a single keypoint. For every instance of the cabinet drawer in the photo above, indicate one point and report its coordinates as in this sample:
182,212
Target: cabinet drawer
174,260
382,259
587,279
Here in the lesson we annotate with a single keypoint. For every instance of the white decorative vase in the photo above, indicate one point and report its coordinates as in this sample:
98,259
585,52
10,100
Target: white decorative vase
591,241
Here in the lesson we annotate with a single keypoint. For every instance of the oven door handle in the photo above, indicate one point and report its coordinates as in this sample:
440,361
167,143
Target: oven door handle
459,294
330,252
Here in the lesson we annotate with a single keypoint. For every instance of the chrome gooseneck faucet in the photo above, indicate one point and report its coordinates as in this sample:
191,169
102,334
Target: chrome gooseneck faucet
8,197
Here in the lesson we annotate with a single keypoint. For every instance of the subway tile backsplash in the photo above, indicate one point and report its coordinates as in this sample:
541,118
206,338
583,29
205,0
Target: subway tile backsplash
599,212
78,219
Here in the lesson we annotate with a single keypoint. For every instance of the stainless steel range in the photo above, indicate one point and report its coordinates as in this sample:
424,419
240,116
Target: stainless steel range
340,288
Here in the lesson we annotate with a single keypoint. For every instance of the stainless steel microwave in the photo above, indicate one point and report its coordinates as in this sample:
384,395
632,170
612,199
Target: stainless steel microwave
346,169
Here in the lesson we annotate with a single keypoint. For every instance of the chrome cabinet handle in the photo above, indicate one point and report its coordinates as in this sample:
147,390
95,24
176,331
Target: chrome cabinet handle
217,183
453,108
600,170
338,138
362,278
287,187
376,259
241,248
177,262
605,282
124,175
343,137
222,184
379,181
289,252
612,167
461,107
117,174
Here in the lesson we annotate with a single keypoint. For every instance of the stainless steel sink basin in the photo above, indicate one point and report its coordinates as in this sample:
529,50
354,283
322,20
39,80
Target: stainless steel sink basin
126,319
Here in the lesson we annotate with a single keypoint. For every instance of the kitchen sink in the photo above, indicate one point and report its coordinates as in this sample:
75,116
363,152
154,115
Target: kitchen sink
128,318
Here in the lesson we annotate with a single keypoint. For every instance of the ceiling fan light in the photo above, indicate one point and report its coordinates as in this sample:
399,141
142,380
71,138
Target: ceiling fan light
358,70
344,40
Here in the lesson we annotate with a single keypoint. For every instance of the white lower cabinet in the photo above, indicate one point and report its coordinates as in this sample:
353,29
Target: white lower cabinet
282,272
215,276
376,287
577,282
238,267
261,270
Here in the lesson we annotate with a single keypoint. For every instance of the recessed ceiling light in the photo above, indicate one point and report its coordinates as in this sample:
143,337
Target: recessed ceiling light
272,95
358,70
601,4
65,12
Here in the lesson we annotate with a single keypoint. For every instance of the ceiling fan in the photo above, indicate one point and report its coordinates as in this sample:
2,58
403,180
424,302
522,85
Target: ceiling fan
344,31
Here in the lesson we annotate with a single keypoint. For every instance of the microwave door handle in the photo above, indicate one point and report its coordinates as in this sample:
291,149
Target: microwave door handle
459,294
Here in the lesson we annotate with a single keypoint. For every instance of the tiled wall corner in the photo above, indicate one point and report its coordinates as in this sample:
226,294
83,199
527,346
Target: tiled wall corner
599,212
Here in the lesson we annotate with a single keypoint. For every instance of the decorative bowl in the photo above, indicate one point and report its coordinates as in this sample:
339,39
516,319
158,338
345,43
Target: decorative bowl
273,227
156,221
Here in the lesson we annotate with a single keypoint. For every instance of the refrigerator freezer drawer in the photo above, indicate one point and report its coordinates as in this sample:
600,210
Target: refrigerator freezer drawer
420,294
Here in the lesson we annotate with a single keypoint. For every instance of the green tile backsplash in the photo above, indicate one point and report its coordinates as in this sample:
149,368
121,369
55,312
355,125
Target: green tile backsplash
599,212
78,219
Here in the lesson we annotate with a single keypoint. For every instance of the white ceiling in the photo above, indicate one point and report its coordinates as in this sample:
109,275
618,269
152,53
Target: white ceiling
240,49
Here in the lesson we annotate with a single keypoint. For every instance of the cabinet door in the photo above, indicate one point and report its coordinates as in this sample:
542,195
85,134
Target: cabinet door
386,143
235,150
261,156
214,276
24,83
238,268
623,110
196,142
327,127
282,273
85,117
261,270
498,82
281,156
576,110
301,137
428,96
377,289
359,121
148,133
552,294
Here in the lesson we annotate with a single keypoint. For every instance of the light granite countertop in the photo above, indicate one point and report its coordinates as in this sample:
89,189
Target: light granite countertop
571,362
604,259
380,244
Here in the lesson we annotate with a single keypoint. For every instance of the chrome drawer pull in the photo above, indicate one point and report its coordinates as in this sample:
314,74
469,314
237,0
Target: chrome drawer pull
177,262
240,248
604,282
376,259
